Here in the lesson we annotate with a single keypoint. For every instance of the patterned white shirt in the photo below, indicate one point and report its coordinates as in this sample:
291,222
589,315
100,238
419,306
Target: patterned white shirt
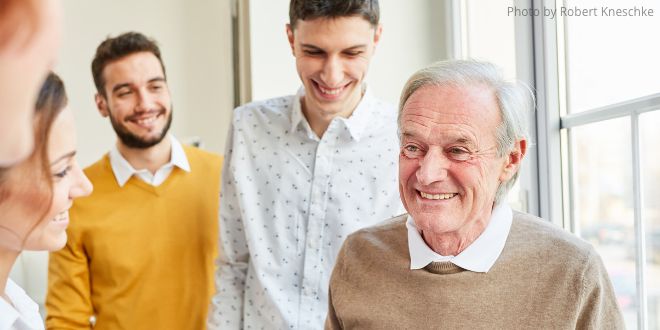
288,201
22,313
479,257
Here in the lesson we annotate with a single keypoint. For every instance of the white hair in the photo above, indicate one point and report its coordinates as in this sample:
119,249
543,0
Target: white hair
514,99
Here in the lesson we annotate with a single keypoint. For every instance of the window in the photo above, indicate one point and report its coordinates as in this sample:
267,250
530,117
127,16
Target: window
600,110
595,168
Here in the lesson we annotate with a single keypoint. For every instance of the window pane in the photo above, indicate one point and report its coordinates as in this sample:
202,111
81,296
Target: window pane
650,160
603,203
611,59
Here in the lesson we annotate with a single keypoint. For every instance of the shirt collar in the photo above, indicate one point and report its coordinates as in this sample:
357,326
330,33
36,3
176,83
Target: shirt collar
356,124
9,314
479,257
23,308
124,171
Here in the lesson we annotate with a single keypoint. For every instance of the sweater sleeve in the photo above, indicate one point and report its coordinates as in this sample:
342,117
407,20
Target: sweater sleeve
598,308
68,303
227,304
332,321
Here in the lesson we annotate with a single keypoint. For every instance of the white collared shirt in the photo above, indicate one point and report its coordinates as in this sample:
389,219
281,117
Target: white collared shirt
124,171
479,257
289,199
22,313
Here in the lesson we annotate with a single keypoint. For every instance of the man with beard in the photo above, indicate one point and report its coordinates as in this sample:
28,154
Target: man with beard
141,247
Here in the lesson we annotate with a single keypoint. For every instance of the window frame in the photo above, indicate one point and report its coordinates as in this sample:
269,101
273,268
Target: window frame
554,123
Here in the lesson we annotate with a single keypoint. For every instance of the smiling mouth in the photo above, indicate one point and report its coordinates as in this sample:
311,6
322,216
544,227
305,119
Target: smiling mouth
436,196
146,121
61,217
330,92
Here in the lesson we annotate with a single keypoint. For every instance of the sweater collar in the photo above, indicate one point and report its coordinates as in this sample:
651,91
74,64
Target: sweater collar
479,257
123,170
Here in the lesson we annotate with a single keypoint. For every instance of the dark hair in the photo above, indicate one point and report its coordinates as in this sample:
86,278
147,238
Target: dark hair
29,184
112,49
311,9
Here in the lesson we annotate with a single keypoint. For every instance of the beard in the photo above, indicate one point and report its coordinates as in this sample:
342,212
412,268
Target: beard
136,142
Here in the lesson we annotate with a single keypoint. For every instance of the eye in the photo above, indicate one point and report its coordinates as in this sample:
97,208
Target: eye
354,53
313,52
458,153
123,93
412,151
63,173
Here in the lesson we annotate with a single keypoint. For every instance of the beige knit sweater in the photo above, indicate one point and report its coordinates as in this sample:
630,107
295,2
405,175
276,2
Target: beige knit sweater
545,278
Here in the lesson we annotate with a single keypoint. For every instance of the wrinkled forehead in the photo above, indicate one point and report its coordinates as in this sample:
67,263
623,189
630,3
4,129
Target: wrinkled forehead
472,108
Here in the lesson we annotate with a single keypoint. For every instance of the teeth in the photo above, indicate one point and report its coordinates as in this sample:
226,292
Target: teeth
146,121
334,91
436,196
61,216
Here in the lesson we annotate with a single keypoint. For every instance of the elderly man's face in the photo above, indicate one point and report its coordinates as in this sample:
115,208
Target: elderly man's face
449,169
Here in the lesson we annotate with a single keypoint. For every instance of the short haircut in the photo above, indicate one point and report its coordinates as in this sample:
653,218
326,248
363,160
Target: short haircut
312,9
112,49
514,99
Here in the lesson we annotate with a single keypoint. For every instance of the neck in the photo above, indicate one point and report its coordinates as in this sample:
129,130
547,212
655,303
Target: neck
7,260
455,242
319,120
151,158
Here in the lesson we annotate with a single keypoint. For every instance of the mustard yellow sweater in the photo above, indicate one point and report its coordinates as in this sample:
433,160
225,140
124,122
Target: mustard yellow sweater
138,256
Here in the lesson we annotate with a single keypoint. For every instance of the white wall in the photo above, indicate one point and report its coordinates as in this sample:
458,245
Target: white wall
195,40
413,36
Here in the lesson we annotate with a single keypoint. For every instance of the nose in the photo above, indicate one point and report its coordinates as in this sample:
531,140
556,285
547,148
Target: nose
333,71
81,185
433,167
145,100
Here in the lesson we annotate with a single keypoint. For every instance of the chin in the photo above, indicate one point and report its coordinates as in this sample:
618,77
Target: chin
54,243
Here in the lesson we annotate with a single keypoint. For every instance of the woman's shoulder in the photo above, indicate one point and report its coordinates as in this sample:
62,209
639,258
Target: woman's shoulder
22,308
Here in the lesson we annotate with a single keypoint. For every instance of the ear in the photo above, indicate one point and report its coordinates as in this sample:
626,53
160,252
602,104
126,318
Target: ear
514,159
290,36
101,105
377,33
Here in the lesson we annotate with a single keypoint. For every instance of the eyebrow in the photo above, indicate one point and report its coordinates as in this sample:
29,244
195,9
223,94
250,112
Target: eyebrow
319,48
65,156
460,139
120,86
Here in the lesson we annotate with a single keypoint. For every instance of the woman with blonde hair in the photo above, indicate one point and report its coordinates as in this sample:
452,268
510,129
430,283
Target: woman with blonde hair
35,196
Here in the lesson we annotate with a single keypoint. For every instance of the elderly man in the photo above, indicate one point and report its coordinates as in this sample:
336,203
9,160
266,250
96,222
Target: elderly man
461,258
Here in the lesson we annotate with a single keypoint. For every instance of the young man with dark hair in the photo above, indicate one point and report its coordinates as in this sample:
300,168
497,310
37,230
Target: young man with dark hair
141,248
302,172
